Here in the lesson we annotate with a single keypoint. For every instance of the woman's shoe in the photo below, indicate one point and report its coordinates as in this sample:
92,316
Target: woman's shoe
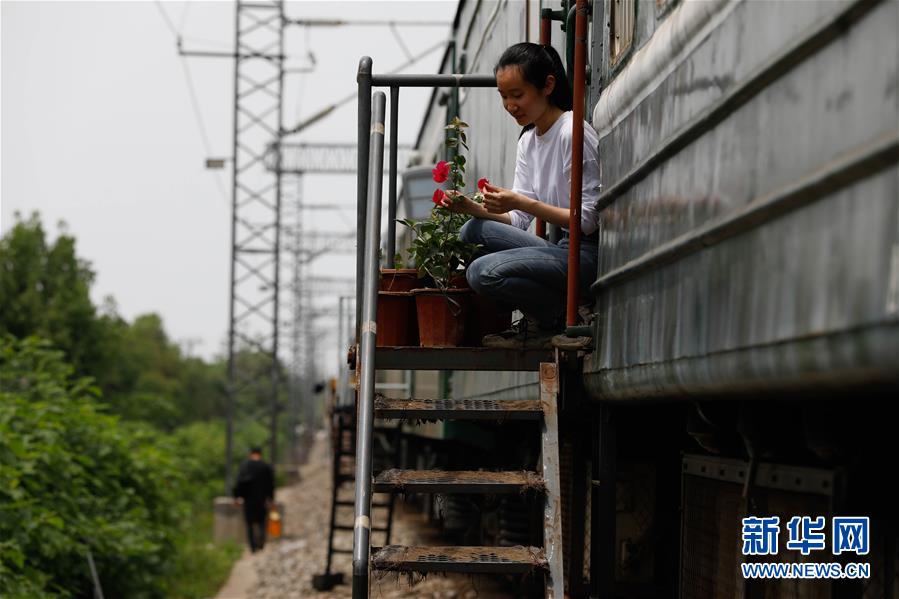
566,343
524,334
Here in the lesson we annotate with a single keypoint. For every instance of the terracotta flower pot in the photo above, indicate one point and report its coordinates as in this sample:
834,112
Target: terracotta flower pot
485,317
397,320
398,279
442,316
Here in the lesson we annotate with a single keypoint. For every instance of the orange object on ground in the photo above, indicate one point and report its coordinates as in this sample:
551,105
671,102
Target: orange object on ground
274,524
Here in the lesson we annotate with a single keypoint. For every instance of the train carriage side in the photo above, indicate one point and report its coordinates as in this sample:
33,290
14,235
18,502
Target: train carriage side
750,234
747,315
747,296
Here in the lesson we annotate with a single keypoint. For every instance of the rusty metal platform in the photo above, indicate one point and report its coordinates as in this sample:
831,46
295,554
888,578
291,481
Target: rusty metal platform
473,560
460,358
457,409
458,481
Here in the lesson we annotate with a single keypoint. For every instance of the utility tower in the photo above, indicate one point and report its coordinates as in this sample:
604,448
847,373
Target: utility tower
256,221
254,377
302,248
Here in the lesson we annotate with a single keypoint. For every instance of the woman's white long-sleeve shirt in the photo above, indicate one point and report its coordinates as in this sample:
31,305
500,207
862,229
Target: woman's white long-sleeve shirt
543,171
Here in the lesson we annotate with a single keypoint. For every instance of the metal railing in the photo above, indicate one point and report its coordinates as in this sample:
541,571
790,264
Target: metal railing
371,113
369,186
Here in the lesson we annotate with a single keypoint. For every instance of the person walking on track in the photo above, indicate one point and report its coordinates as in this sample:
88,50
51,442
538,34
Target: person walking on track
255,488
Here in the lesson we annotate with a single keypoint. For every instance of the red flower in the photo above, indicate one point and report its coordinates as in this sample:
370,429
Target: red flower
482,183
441,171
438,196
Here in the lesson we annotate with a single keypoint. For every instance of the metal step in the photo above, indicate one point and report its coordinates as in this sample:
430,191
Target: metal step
457,409
460,358
456,481
494,560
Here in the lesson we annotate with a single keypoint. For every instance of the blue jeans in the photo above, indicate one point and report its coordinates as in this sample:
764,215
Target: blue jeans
524,271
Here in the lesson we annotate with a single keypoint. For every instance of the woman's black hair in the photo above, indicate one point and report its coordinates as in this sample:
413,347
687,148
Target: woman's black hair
537,63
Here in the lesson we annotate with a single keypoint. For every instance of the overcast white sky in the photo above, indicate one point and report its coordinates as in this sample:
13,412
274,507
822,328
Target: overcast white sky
98,131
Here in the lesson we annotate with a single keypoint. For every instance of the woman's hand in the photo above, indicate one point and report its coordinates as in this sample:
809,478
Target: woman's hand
498,200
458,203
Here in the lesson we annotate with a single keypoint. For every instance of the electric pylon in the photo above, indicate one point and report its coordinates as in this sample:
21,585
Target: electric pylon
255,217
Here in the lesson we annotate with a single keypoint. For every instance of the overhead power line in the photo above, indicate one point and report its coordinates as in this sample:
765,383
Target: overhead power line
165,17
354,95
192,93
198,116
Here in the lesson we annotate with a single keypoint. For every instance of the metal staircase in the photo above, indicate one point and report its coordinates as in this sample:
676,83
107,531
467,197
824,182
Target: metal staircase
368,358
342,477
544,479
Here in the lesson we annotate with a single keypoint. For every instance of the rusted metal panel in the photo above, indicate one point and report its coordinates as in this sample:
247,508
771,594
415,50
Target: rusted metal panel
457,409
551,469
711,544
457,481
496,560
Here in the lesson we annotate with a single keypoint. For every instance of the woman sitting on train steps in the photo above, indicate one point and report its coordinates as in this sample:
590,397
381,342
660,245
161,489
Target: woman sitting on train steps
516,267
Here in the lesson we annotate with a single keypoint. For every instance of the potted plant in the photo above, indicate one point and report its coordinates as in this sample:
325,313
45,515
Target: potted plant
397,316
439,253
398,278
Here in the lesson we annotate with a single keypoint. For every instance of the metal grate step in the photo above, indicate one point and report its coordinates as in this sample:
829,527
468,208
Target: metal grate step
495,560
460,358
457,409
456,481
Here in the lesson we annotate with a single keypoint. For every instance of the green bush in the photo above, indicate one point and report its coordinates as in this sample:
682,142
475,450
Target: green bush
201,566
73,479
128,474
201,446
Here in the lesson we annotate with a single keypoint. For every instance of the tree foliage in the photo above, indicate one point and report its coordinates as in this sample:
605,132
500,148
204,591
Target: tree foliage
74,479
111,439
45,292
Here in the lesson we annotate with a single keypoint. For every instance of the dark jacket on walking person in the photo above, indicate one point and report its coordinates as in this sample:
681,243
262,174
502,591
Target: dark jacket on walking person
256,487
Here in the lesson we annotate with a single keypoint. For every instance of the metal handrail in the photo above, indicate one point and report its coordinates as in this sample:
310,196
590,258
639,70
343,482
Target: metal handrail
577,163
370,130
365,414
